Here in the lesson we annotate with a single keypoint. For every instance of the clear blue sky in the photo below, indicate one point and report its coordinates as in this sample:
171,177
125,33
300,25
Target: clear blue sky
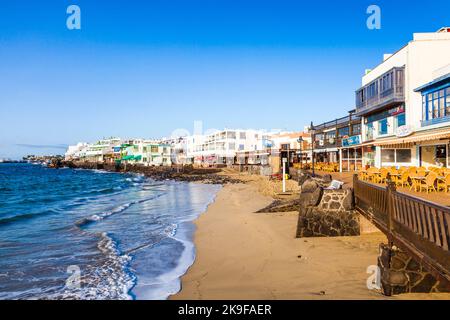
143,68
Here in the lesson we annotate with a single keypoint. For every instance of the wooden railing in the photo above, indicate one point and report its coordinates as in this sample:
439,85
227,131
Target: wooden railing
420,227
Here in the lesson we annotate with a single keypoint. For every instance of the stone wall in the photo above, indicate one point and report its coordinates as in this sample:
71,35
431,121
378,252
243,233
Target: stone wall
263,170
400,273
325,213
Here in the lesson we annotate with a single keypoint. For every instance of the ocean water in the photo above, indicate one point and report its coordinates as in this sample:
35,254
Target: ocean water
86,234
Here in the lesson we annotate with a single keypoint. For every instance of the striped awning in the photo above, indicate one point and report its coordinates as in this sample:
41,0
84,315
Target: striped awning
415,138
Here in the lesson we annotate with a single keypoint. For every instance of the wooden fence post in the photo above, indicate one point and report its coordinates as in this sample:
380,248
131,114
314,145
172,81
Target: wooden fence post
355,182
390,189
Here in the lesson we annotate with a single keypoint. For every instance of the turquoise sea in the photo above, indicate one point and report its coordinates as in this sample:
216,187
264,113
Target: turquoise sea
86,234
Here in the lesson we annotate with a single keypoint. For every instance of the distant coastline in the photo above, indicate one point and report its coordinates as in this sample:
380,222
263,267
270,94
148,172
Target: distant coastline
186,173
12,161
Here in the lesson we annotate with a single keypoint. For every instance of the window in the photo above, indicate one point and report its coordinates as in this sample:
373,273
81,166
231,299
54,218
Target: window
441,152
435,107
319,137
231,146
343,132
387,155
241,147
429,107
154,149
436,104
400,120
356,129
447,103
330,136
370,130
442,103
382,127
242,135
395,156
424,107
231,135
386,82
403,155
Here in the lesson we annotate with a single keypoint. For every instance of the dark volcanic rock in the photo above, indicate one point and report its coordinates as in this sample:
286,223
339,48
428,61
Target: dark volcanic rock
310,199
188,174
309,186
281,206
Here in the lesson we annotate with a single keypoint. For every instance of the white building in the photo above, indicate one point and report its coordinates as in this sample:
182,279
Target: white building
221,147
396,126
93,152
147,152
74,152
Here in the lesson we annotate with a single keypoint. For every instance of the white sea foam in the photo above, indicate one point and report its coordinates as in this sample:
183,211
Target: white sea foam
109,280
116,210
169,283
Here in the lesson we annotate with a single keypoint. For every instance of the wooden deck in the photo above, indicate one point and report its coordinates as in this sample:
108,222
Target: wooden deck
440,198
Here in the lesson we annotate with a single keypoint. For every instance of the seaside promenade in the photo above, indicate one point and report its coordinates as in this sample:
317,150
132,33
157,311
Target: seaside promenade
440,198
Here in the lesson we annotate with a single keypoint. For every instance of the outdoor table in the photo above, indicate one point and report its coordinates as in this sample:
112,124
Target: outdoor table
417,178
395,176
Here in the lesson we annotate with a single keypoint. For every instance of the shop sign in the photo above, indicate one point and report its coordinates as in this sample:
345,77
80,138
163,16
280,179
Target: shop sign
385,114
404,131
321,143
351,141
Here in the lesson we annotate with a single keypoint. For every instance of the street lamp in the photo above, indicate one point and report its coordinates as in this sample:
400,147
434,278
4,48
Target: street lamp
300,142
313,139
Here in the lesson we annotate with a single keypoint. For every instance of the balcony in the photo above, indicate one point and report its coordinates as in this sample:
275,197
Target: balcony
338,123
386,91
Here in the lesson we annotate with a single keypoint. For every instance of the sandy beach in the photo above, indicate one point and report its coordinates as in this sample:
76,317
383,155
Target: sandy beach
246,255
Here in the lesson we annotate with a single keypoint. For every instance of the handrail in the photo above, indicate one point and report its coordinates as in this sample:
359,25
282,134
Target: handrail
420,227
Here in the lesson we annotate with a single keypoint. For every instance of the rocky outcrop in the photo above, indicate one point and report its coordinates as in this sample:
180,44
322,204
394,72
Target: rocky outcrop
326,213
281,206
182,173
400,273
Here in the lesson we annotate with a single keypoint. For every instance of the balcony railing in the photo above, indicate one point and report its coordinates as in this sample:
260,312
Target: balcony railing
338,123
387,90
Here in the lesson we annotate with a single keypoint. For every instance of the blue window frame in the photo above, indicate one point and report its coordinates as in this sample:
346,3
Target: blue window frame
400,120
436,105
382,127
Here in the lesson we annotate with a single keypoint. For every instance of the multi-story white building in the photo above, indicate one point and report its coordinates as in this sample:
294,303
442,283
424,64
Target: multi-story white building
147,152
221,147
400,126
74,152
94,152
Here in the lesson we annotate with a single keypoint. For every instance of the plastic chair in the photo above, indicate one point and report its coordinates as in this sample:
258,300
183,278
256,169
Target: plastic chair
428,183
